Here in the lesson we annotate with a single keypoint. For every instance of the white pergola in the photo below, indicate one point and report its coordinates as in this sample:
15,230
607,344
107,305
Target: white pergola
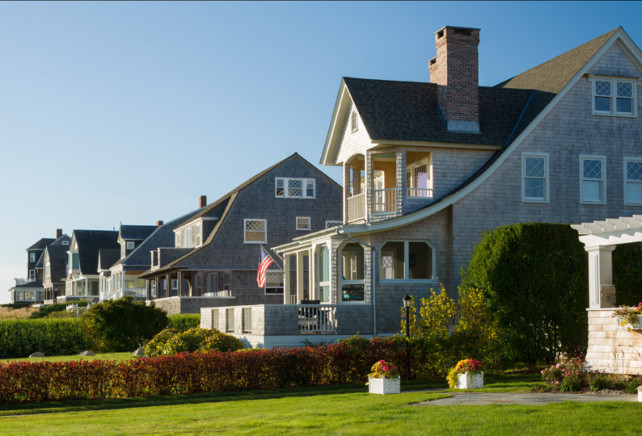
600,239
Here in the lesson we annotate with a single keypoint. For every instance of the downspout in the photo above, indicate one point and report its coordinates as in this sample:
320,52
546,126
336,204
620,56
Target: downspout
373,267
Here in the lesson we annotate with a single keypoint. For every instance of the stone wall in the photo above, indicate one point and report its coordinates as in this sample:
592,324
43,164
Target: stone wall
611,347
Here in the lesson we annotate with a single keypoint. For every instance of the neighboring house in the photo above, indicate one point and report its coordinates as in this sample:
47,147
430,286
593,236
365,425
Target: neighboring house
216,251
81,282
428,167
29,289
55,268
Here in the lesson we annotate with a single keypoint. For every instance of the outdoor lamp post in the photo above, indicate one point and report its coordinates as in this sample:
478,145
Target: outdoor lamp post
407,300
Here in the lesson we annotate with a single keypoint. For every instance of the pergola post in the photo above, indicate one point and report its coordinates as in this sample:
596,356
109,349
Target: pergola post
601,289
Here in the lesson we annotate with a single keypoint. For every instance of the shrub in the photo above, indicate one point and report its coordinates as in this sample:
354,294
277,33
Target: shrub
534,278
566,374
184,321
20,338
121,325
627,274
173,341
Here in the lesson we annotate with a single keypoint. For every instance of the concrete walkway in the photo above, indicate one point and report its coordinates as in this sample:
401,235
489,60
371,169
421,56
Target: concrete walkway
533,399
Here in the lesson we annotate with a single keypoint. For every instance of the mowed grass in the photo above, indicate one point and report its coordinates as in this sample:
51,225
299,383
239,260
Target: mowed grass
320,410
103,356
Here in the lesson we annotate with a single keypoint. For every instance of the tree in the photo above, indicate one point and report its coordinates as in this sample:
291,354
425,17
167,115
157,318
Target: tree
121,325
534,279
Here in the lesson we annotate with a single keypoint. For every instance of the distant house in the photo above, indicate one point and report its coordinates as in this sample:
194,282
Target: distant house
81,281
29,289
216,251
55,268
427,167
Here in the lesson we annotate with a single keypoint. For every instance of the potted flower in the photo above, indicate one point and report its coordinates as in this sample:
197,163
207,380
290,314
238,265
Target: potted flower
467,374
630,317
384,378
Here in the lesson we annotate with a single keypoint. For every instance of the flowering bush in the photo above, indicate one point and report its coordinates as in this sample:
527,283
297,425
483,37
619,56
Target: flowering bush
628,315
463,366
566,374
383,369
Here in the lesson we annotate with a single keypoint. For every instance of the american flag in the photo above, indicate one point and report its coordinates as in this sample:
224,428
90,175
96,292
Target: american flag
265,262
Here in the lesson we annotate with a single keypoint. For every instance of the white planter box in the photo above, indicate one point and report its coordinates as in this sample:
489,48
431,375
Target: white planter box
637,326
384,386
470,381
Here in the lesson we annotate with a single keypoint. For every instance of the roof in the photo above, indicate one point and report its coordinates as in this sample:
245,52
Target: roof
89,242
58,258
107,257
41,244
135,232
407,111
553,75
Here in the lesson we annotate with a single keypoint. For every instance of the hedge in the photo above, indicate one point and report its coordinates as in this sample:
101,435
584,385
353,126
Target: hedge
20,338
347,362
184,321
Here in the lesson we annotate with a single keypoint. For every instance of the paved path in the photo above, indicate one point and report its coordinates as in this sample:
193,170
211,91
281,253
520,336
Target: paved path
534,399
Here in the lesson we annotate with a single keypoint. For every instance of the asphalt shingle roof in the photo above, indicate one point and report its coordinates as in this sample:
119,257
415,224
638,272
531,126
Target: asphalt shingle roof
107,257
89,242
136,232
41,244
58,258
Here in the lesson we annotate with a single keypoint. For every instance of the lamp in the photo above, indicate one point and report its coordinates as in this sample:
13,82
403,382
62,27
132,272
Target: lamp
407,300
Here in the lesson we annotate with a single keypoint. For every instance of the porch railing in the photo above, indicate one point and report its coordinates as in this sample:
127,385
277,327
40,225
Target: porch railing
385,200
317,318
420,192
357,207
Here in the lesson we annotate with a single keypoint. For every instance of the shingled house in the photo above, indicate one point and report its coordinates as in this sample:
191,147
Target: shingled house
216,251
427,167
54,261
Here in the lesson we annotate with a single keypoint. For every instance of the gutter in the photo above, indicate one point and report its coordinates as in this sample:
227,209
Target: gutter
373,263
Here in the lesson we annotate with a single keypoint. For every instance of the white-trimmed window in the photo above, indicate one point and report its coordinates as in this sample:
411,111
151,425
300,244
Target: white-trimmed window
32,275
286,187
229,320
32,257
332,223
407,260
65,242
131,245
198,235
354,122
174,284
535,185
303,223
255,231
273,282
418,180
633,180
187,238
593,179
352,273
614,96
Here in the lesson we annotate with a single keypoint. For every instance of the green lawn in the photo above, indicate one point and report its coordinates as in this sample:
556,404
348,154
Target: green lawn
320,410
105,356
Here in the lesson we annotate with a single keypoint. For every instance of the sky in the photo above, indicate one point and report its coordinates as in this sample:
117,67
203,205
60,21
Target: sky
127,112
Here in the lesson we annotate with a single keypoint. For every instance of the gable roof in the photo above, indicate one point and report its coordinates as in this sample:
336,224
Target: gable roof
89,242
57,253
553,75
129,232
107,257
41,244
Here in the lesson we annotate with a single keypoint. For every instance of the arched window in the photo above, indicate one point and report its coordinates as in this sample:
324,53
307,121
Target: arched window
406,260
352,270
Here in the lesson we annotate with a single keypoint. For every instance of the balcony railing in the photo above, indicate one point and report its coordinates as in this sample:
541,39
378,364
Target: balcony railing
420,192
357,207
317,318
385,200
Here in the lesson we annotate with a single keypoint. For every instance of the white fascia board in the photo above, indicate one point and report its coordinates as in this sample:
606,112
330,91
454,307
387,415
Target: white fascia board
329,140
308,240
383,143
404,220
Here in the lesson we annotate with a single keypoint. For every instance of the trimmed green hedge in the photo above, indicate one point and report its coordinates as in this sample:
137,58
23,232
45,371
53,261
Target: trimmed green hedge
20,338
44,311
184,321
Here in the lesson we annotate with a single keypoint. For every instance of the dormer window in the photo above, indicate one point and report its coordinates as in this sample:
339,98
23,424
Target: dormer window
614,96
354,122
286,187
65,242
131,245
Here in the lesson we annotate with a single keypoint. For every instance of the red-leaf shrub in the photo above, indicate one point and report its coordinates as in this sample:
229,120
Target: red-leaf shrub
347,362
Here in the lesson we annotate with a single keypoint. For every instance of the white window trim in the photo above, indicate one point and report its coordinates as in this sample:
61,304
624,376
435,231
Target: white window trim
406,263
304,187
546,198
32,257
602,158
274,287
128,247
354,122
333,223
264,241
613,112
343,281
308,227
626,181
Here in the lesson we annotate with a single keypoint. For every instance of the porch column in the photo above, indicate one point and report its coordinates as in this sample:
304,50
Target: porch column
286,279
402,191
148,288
299,277
601,289
346,190
179,290
311,273
369,185
168,285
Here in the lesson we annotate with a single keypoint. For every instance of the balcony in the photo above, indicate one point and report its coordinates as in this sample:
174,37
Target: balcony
385,202
357,207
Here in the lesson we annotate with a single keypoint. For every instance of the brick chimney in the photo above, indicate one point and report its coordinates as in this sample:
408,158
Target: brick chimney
456,70
202,201
58,233
159,223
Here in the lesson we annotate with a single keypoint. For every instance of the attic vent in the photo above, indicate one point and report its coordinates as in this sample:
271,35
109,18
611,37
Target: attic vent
433,61
440,34
465,32
354,123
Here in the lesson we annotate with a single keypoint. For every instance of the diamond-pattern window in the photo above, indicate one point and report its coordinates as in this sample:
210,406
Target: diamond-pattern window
603,87
624,89
255,230
633,182
634,170
535,178
294,188
614,97
534,167
592,169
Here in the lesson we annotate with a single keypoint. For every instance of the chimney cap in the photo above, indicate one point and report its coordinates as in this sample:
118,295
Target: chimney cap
457,28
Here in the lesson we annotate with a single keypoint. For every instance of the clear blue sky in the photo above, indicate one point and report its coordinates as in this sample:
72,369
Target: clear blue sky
127,112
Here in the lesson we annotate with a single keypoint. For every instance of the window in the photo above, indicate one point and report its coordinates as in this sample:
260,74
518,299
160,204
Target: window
65,242
177,239
633,180
255,231
303,223
174,284
535,177
215,320
32,257
32,275
592,183
129,284
406,260
418,179
352,270
229,320
614,96
198,232
294,188
131,245
274,282
140,283
332,223
247,320
187,238
354,122
75,264
324,275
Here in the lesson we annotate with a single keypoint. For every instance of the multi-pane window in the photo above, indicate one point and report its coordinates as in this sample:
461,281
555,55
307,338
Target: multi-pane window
408,260
332,223
614,97
32,257
247,319
131,245
535,177
324,275
255,231
286,187
592,173
633,181
352,270
303,223
229,320
187,238
198,235
274,282
32,275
